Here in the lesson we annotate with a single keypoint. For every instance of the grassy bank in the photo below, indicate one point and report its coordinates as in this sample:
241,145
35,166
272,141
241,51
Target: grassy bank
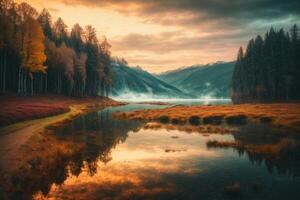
17,109
285,115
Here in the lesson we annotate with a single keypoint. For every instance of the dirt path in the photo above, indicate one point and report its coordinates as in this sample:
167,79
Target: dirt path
11,143
14,137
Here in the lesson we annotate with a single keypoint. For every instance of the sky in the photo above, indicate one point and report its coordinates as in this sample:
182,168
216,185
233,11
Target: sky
162,35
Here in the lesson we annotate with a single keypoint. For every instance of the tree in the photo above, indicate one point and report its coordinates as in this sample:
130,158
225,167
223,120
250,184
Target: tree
77,64
33,56
29,46
76,38
270,68
60,32
93,66
45,20
236,77
260,73
106,79
80,74
295,54
6,42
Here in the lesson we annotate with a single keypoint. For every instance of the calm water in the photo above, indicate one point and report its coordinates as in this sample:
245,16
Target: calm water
122,160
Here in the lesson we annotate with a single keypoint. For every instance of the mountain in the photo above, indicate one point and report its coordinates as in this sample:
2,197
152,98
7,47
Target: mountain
133,82
211,80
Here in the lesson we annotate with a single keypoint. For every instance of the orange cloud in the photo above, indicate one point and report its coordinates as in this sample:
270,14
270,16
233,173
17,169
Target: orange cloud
163,35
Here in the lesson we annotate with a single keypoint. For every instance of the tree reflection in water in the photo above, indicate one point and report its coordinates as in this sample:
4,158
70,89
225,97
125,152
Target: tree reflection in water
278,149
98,134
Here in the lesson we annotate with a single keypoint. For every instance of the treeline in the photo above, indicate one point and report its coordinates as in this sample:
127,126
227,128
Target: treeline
38,56
269,69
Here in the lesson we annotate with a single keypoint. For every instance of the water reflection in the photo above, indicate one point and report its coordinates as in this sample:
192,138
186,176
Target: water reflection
122,160
278,150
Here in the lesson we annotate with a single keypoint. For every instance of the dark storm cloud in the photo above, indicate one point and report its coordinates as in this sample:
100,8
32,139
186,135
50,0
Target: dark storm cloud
231,12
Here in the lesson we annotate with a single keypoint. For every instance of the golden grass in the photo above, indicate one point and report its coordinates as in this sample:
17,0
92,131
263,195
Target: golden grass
204,129
285,115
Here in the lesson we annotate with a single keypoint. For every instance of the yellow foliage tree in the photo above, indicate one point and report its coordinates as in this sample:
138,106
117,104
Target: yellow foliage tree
33,49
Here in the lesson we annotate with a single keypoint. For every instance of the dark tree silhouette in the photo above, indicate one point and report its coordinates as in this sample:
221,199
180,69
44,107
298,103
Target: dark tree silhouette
269,70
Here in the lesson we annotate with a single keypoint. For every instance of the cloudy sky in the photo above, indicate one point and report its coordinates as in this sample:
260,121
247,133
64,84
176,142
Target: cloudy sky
161,35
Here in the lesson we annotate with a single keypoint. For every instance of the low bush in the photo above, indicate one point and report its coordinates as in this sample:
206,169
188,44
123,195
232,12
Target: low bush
194,120
266,120
236,119
215,120
164,119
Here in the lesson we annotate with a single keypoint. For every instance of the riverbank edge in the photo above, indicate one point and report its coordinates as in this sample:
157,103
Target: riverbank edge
43,150
281,115
73,110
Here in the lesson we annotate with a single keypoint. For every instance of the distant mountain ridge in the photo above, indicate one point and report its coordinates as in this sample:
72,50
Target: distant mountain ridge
213,80
134,82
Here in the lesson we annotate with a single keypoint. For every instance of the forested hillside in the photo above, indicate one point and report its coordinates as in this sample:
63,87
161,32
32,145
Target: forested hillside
130,82
211,80
40,56
269,69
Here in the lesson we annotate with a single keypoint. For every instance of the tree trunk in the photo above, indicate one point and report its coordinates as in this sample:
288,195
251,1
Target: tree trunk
1,66
25,83
4,72
19,80
31,86
46,84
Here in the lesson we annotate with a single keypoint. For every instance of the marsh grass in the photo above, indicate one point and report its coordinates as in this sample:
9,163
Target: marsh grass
283,115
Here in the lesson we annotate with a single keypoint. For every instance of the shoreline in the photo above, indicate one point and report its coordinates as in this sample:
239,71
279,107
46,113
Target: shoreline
31,147
15,109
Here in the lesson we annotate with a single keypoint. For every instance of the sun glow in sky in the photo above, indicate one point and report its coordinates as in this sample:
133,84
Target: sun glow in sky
164,35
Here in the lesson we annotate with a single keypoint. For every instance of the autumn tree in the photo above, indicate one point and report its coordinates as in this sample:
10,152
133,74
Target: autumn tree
33,56
77,63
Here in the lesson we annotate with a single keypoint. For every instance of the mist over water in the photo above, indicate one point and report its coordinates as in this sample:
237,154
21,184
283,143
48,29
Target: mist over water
143,97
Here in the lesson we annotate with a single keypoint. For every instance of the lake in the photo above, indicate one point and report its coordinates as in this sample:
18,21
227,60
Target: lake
124,160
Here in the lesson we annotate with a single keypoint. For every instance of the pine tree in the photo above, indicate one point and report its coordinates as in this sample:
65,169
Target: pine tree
236,78
60,32
76,39
270,68
45,20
